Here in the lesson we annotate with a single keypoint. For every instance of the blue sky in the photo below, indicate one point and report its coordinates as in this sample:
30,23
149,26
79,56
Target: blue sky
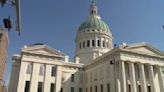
55,23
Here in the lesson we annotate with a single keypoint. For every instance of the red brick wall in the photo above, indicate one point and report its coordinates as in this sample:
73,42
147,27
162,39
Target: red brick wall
3,52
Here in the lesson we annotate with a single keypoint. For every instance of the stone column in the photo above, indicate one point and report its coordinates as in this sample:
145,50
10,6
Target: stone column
123,76
34,78
101,42
96,41
142,75
160,77
90,42
105,41
47,79
151,74
132,77
22,76
58,78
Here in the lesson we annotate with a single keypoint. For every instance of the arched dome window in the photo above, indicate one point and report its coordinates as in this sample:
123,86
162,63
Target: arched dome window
88,43
93,43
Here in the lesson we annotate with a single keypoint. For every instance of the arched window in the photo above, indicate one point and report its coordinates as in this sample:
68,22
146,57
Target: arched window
80,45
29,68
83,44
98,43
103,43
88,43
107,44
93,43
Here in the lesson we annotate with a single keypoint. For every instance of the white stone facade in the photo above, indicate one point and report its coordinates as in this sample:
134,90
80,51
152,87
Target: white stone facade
96,68
131,68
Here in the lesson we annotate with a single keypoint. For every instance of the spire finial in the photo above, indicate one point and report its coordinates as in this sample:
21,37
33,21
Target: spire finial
93,1
93,8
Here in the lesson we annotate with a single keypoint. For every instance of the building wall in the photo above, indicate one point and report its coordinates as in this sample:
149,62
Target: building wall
3,54
37,68
112,72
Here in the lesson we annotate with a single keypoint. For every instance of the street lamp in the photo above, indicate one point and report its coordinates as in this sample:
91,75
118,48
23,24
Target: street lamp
7,22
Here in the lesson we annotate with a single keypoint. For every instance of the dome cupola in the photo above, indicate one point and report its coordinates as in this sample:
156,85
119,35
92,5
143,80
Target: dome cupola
93,37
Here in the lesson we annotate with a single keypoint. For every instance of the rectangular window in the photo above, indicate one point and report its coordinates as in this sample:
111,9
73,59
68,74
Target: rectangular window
90,89
93,43
80,89
129,87
98,43
27,86
83,44
108,87
103,43
148,89
95,88
101,88
40,84
61,90
88,43
139,88
52,87
53,71
72,78
72,89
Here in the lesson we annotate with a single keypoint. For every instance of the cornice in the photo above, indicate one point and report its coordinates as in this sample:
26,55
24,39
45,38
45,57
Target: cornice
41,54
139,53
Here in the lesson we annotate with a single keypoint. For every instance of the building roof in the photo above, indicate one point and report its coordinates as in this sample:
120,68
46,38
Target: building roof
93,22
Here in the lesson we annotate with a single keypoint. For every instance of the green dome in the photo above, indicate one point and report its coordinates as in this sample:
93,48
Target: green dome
95,23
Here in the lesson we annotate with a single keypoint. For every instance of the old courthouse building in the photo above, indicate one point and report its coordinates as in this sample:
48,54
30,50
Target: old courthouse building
97,67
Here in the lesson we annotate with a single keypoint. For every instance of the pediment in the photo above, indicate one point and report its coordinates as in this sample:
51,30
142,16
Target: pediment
145,48
43,50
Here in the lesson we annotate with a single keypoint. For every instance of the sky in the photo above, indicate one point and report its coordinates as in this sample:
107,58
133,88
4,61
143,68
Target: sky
55,23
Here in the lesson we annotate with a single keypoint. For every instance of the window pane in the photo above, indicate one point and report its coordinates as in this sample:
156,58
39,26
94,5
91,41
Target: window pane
80,89
101,88
108,87
27,86
52,87
40,84
90,89
93,43
72,78
103,43
83,44
98,43
53,71
80,45
88,43
72,89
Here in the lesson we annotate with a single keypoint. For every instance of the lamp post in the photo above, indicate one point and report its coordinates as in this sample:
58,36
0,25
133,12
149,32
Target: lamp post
7,21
